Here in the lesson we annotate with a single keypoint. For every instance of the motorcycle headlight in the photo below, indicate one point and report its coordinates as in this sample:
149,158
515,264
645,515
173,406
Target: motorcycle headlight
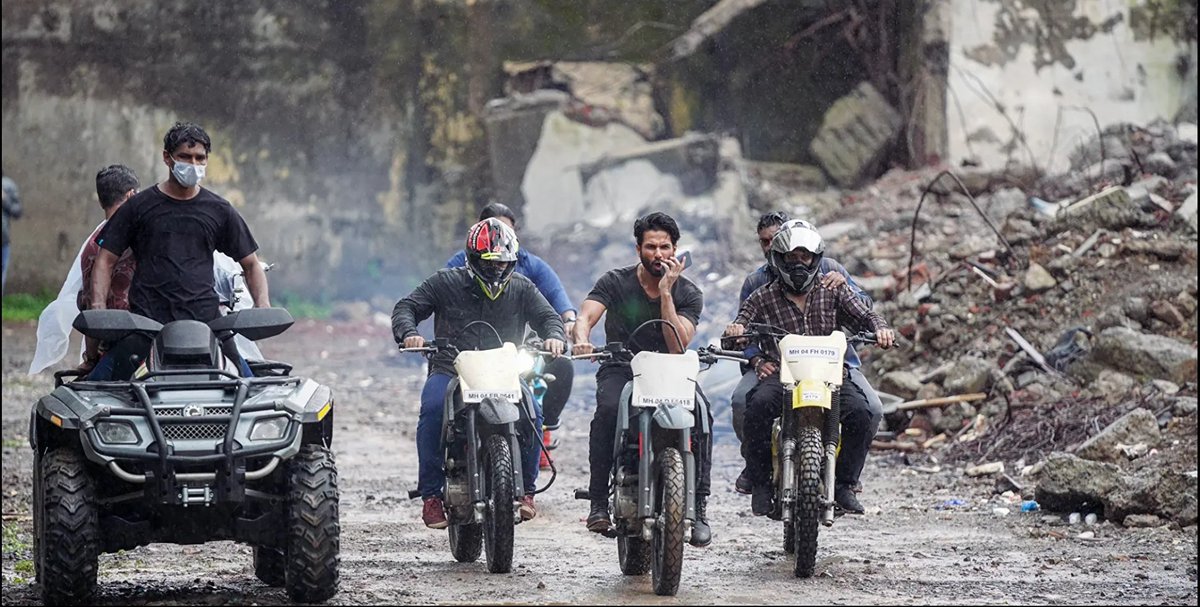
117,433
271,428
525,362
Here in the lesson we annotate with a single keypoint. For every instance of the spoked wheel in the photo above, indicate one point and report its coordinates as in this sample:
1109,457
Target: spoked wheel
806,513
668,529
498,522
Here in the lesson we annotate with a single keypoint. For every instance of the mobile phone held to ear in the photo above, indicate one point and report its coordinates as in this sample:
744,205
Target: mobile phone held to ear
685,258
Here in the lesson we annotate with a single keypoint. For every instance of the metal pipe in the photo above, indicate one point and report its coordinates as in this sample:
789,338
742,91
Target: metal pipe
194,477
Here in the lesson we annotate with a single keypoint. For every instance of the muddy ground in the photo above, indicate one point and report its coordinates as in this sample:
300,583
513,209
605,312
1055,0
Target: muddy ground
929,537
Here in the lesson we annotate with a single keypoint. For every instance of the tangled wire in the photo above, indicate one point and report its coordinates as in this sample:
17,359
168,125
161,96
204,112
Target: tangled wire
1031,432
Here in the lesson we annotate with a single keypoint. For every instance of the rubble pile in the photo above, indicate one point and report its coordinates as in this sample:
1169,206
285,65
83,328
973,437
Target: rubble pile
1070,316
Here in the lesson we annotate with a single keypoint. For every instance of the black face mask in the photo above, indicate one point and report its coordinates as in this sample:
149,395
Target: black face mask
491,273
801,276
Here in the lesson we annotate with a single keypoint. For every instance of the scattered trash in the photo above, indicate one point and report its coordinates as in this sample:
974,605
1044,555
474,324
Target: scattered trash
951,503
1030,506
1074,518
1090,519
1068,349
1045,208
1000,511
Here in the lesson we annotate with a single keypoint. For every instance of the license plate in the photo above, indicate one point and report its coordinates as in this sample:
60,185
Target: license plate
811,393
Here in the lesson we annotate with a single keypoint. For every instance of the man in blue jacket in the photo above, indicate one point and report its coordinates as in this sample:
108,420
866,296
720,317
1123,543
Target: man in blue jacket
546,280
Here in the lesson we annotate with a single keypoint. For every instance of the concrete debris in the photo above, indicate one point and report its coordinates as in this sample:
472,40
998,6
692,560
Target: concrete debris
1153,355
855,135
986,469
1136,427
1038,279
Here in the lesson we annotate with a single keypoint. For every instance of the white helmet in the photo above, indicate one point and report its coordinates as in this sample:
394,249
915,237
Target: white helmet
792,235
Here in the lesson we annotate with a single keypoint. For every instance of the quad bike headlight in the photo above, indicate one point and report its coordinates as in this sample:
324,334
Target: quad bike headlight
271,428
118,433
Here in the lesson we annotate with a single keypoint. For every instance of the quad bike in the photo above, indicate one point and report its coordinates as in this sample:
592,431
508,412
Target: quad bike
652,491
488,408
805,438
187,451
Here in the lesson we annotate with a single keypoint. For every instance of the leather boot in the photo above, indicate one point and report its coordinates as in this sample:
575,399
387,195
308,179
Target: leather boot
701,533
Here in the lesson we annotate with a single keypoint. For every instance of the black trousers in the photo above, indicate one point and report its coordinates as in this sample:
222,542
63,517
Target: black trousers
609,383
859,421
557,391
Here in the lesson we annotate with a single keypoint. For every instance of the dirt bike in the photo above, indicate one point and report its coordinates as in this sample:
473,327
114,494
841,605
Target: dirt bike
487,408
805,438
187,451
652,490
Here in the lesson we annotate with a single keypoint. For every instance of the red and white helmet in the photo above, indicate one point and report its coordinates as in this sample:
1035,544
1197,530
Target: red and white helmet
490,242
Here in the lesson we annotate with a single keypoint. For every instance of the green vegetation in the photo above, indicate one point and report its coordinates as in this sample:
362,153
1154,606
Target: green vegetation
26,306
16,542
301,307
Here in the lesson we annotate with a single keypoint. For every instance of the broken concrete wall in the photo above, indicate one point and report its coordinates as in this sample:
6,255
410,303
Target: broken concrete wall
856,135
1014,66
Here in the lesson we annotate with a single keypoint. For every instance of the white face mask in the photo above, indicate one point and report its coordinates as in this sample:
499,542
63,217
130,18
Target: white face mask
188,175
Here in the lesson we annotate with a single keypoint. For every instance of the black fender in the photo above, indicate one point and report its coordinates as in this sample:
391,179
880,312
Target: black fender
497,412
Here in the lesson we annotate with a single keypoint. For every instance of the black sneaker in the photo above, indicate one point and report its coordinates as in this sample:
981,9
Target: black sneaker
844,498
598,521
743,484
760,500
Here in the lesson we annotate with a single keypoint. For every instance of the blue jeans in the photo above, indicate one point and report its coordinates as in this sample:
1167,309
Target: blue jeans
431,475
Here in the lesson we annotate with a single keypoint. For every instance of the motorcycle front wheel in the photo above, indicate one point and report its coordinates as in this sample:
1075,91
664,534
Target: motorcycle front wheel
668,531
498,522
806,513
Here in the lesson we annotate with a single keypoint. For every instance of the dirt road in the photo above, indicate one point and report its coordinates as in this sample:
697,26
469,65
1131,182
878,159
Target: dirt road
929,537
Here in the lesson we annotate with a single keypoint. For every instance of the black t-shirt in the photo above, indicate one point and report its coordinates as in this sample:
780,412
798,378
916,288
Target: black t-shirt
628,306
173,242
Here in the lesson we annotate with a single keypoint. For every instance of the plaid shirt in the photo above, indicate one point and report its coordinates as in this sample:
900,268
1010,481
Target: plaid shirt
824,311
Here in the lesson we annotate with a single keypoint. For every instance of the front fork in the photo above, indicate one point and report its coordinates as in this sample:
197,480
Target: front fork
787,461
646,479
790,422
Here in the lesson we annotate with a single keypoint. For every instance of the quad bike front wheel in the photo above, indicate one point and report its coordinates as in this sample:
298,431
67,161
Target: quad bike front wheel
669,528
67,527
313,528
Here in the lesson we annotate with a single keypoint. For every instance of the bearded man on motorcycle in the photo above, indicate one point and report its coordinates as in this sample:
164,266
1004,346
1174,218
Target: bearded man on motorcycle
485,289
628,297
797,302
